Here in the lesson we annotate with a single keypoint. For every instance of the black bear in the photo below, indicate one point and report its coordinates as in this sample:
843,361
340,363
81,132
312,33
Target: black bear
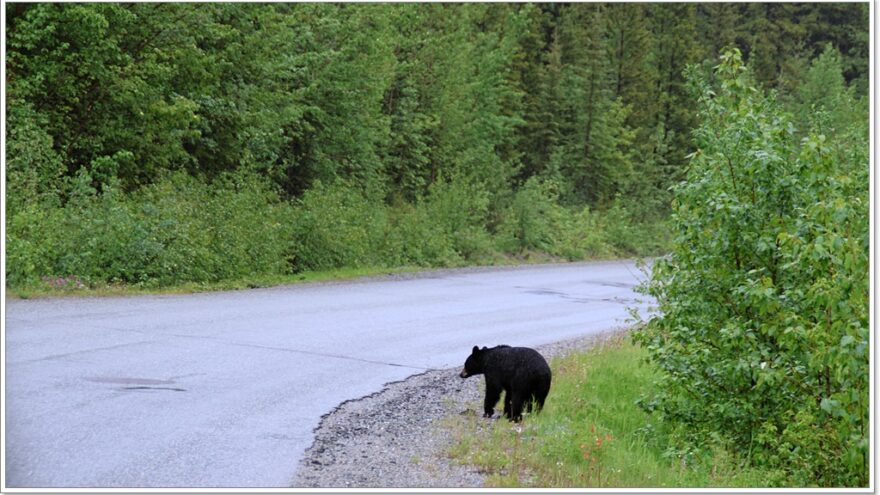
520,372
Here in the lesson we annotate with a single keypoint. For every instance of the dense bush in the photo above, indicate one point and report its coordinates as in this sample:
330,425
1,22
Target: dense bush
533,219
177,230
460,209
762,336
340,225
414,239
586,234
232,228
628,235
33,168
336,225
182,229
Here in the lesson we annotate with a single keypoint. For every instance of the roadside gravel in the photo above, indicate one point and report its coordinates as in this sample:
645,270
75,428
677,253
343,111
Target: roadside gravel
394,438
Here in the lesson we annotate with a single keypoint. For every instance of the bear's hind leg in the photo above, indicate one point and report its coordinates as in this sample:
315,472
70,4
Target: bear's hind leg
516,407
529,403
541,395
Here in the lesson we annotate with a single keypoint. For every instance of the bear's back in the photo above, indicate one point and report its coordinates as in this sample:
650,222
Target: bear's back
510,360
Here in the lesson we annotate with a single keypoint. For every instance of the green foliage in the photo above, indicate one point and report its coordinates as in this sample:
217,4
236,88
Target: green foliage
535,221
375,135
178,230
394,93
629,235
28,254
98,74
446,228
824,102
459,209
209,233
336,225
532,219
586,235
340,225
34,170
590,433
414,239
763,335
676,46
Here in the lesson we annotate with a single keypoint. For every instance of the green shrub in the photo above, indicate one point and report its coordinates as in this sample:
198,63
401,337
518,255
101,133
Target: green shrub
177,230
459,208
582,236
762,337
337,225
533,219
96,236
28,254
33,168
627,235
414,239
182,229
233,228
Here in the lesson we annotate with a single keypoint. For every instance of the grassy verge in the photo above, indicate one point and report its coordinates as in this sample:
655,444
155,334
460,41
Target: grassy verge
590,434
71,287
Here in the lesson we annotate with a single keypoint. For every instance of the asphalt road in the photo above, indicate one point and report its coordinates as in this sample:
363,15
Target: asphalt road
224,389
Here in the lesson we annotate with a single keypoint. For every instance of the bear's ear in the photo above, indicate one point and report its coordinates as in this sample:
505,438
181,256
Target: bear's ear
476,349
485,348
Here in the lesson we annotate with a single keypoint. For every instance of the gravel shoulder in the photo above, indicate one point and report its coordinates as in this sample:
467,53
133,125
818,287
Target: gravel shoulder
395,438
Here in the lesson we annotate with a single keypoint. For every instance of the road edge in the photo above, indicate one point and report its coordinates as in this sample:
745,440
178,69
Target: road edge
395,437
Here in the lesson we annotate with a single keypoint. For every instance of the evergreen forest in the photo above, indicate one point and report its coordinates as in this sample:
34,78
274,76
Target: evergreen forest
158,144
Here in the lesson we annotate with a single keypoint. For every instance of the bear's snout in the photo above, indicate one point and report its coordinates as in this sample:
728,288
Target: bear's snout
464,374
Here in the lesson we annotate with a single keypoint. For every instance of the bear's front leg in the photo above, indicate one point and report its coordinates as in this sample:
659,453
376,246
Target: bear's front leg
493,392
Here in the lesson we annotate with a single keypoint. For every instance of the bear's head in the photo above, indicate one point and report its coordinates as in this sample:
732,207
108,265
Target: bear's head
474,363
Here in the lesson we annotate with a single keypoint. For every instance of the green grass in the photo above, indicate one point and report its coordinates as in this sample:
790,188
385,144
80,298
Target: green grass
43,289
590,434
46,288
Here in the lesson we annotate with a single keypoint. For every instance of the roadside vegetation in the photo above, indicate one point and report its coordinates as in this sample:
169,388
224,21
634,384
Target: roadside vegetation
182,235
762,336
591,433
755,370
156,146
